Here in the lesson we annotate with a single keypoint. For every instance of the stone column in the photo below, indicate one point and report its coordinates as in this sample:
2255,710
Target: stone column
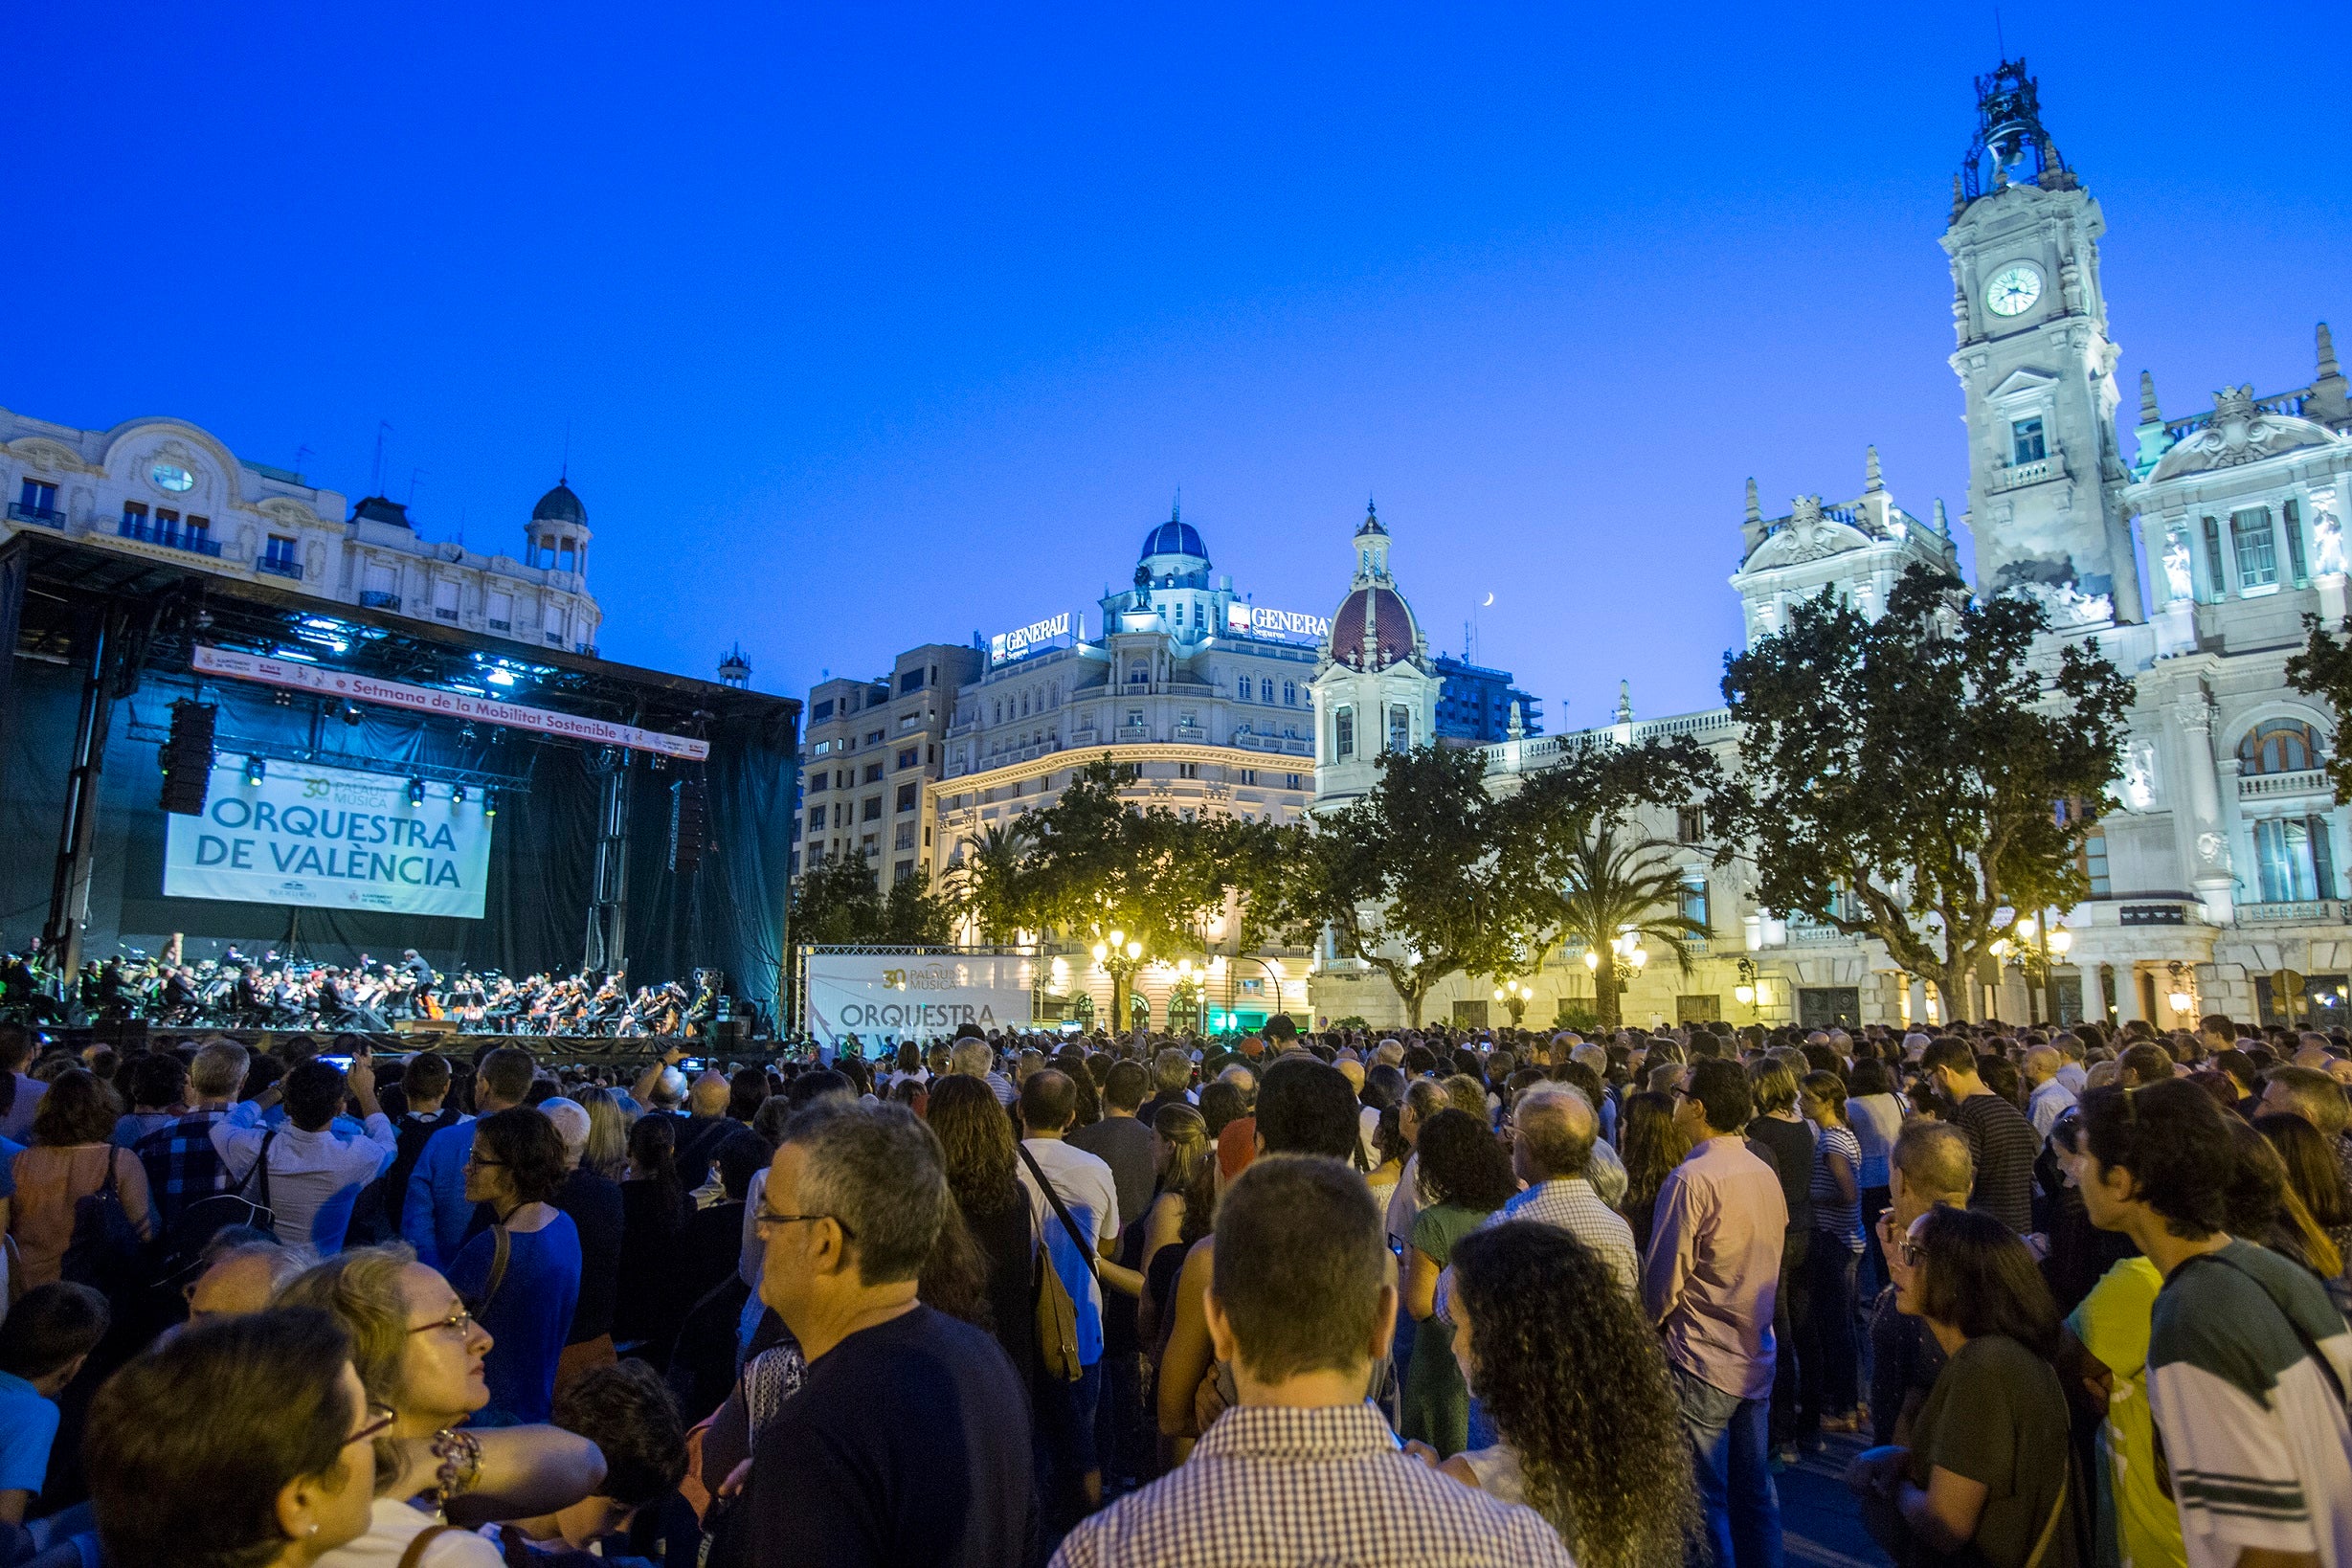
2209,849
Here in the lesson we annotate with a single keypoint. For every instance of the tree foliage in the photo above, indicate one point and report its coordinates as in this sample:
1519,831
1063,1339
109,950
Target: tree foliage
837,904
1409,878
1923,778
2323,669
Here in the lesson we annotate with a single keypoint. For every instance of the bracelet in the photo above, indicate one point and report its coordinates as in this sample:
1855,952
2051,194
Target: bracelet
461,1466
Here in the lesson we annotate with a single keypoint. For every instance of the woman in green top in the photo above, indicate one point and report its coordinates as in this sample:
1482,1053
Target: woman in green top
1465,1174
1986,1482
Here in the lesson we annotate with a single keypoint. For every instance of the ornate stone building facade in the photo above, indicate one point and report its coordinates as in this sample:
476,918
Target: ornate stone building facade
2220,860
167,488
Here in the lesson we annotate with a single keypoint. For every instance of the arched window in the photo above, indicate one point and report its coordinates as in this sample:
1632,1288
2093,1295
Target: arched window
2280,746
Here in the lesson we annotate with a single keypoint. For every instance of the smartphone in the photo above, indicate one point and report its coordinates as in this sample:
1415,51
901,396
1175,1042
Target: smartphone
342,1062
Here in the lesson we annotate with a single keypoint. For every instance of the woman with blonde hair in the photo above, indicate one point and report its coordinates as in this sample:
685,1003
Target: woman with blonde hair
607,1153
420,1356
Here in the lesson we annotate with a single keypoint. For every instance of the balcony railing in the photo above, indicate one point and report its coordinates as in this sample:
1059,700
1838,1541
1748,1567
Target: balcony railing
499,625
376,599
450,616
280,567
2263,785
47,517
2018,474
2323,912
192,540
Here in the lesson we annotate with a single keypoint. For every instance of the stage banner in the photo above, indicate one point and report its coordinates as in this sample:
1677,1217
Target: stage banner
295,676
331,839
894,997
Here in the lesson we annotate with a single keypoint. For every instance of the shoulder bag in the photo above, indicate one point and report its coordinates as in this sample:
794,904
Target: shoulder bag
201,1219
1056,1310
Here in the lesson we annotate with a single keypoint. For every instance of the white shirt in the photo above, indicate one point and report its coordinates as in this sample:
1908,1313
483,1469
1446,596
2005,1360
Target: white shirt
393,1524
1089,1191
314,1178
2052,1101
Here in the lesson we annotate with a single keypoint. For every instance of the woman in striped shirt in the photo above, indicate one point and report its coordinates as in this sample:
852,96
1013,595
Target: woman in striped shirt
1828,1365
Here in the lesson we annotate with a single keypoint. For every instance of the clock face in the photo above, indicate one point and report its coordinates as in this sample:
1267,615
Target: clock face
2013,290
171,475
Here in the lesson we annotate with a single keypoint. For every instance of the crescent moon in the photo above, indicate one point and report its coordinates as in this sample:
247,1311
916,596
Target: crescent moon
1488,600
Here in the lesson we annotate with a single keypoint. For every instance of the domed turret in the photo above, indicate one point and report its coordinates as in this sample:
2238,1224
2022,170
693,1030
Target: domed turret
1374,627
560,504
1172,555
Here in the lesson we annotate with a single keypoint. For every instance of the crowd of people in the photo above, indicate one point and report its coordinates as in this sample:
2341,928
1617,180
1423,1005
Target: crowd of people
276,991
1403,1299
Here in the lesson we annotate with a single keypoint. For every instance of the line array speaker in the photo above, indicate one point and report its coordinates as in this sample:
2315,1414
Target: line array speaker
188,757
690,826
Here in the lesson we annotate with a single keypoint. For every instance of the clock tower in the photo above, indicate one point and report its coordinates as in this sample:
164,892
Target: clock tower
2046,478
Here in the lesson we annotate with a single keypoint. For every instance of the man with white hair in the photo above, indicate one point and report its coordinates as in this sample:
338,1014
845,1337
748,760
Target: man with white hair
1555,1134
1389,1053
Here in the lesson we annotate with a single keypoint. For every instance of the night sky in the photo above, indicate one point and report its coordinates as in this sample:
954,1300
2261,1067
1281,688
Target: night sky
875,325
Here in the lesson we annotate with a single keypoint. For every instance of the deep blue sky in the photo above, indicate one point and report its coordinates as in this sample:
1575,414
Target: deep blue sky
880,325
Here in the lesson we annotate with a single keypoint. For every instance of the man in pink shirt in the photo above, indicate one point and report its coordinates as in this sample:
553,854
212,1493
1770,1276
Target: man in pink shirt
1710,1283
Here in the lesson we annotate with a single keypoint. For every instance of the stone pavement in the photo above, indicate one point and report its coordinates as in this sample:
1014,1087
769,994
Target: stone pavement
1820,1524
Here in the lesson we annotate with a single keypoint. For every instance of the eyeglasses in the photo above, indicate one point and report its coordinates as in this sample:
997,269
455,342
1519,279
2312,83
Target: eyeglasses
477,1162
764,1219
459,1323
380,1418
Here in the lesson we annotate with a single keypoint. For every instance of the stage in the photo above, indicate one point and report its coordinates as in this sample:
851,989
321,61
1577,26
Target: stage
632,1051
497,805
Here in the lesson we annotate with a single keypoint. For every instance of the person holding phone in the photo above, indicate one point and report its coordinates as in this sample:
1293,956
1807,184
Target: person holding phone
313,1174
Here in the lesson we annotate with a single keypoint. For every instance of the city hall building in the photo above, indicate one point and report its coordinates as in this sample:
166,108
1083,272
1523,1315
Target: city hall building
2218,863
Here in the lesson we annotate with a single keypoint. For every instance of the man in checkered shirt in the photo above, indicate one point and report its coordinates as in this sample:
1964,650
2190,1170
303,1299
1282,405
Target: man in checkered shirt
1302,1302
182,1165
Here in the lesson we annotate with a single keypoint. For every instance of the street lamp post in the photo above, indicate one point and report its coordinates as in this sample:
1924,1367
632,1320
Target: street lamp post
1515,995
1120,957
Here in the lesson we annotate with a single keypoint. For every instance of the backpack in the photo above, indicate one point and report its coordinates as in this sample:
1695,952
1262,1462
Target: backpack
105,1252
1057,1310
202,1220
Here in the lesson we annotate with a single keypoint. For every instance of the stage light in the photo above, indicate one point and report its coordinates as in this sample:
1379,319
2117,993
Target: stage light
254,769
457,794
489,803
465,730
417,792
351,714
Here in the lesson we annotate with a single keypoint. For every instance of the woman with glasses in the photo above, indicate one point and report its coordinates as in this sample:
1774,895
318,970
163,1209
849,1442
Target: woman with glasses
419,1353
520,1277
1987,1477
270,1464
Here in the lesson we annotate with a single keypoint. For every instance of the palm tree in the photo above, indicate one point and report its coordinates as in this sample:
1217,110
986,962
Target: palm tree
984,876
1615,888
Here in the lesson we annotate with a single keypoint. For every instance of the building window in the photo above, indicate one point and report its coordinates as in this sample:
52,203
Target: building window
907,793
817,821
2291,516
37,500
873,737
873,772
1249,775
2026,441
2297,861
2280,746
821,711
873,809
911,681
2257,548
1134,718
1694,900
278,555
557,622
1293,781
819,780
2219,588
902,836
869,844
445,601
1689,824
909,756
1343,732
1187,770
2095,864
1290,692
1400,728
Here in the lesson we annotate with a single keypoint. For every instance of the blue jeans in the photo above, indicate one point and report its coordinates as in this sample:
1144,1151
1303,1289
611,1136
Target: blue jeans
1730,1449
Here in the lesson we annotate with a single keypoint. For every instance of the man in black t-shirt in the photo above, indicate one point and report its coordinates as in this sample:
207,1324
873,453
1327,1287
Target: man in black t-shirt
907,1446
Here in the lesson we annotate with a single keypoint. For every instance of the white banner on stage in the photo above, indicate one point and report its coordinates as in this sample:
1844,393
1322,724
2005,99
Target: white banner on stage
883,997
330,838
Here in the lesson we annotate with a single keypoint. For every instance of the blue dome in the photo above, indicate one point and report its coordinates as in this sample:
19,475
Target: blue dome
1174,538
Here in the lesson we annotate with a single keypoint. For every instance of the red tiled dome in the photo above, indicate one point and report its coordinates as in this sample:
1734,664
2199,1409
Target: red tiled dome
1395,626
